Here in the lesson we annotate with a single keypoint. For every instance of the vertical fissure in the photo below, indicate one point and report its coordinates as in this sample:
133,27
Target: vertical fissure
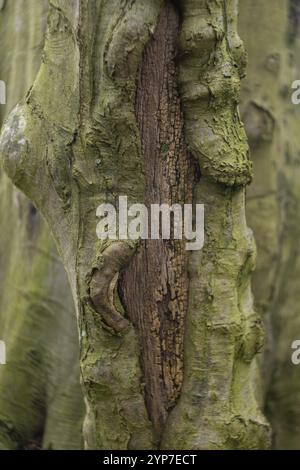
154,288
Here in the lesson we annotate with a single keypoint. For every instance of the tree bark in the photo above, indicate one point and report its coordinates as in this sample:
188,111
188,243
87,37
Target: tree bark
271,122
167,362
41,403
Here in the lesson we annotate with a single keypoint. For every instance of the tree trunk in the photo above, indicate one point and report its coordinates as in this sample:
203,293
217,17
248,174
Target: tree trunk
40,397
273,210
141,99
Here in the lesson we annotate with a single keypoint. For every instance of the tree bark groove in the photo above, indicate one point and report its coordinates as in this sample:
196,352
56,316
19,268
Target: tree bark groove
92,136
155,286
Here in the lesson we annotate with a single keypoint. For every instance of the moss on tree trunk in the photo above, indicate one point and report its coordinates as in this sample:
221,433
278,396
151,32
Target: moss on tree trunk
84,134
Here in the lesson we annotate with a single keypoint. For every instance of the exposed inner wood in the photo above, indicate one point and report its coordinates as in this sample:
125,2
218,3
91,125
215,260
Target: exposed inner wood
154,288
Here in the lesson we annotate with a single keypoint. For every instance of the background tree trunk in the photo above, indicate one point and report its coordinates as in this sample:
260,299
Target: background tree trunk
40,397
273,210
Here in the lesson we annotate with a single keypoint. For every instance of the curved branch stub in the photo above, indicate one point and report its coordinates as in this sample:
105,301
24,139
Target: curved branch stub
103,282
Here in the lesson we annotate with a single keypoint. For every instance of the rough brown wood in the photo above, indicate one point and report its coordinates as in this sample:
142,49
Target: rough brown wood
154,287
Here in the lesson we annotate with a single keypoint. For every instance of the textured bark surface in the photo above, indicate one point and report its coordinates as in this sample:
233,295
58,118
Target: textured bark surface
217,407
155,286
86,134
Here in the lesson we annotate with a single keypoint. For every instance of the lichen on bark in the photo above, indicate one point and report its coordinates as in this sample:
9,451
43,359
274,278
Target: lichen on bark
78,140
218,407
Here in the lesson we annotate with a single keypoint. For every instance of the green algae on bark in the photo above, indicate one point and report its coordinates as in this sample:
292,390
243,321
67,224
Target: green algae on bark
74,142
